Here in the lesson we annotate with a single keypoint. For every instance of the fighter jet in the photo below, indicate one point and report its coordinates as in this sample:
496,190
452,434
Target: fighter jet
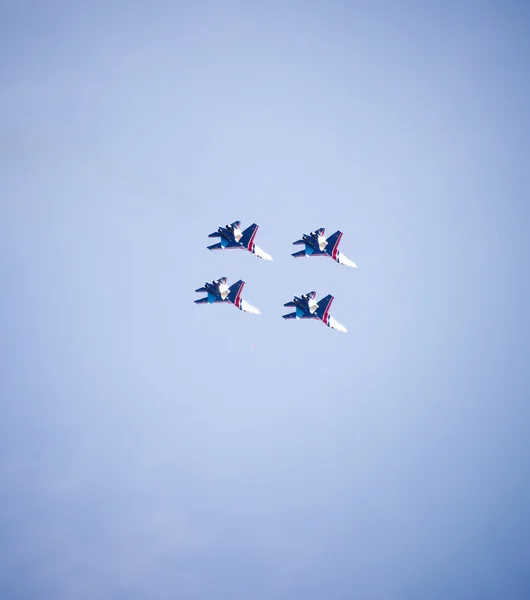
218,291
308,308
232,237
317,245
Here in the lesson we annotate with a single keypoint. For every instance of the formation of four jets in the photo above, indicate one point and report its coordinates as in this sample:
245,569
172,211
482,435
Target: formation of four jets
306,307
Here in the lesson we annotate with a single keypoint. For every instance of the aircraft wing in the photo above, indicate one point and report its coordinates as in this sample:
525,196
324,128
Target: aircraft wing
234,293
333,241
322,312
247,239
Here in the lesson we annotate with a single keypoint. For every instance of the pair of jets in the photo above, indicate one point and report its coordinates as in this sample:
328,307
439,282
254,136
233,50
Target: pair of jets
306,306
315,243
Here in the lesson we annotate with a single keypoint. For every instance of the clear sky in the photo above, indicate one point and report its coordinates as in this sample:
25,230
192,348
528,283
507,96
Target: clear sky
153,449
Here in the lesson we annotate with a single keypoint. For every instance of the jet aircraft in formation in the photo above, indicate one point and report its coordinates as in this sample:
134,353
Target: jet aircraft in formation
218,291
317,245
306,307
232,238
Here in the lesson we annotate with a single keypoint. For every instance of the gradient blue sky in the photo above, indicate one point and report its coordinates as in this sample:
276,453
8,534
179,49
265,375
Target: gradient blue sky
147,449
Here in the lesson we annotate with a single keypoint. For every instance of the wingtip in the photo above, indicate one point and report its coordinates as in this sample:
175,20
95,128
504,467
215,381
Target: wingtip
336,325
343,260
248,308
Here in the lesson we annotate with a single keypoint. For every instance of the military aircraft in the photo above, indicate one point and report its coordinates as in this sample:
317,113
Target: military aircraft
233,238
308,308
218,291
317,245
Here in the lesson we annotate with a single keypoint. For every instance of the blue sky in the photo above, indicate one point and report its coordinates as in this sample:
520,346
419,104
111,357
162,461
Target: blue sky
153,449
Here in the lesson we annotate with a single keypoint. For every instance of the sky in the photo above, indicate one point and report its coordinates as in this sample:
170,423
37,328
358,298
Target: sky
154,449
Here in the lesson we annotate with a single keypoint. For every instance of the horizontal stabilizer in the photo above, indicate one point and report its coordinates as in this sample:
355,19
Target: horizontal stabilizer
201,289
290,316
214,234
201,301
290,304
301,254
298,242
225,245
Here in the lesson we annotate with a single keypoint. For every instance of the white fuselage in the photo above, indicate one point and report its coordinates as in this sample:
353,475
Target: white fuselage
223,290
305,304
